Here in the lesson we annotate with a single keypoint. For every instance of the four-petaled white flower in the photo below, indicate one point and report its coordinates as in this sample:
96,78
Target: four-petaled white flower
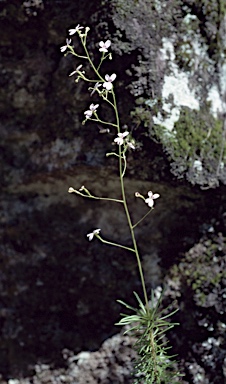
120,139
151,197
74,30
65,47
108,83
77,70
91,110
92,234
104,46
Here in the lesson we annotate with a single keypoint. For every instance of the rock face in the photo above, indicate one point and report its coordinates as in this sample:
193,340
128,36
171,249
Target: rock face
170,73
181,75
199,282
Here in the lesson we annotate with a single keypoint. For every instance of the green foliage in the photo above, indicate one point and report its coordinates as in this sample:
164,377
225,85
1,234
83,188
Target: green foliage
195,136
141,114
149,325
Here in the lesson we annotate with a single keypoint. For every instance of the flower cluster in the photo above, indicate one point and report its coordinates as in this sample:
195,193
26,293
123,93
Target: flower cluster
78,30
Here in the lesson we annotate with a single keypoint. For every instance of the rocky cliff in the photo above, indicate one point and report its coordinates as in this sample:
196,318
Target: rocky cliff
170,63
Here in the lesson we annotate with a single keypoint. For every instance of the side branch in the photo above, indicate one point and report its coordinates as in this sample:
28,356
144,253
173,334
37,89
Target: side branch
114,244
139,221
72,190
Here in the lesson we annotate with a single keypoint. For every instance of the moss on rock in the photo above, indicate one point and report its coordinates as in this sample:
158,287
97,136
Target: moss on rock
196,141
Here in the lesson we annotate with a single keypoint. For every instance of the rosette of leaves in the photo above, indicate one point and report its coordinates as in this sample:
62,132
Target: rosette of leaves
148,326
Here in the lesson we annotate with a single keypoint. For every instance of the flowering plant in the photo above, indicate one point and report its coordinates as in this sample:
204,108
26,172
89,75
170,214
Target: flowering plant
147,322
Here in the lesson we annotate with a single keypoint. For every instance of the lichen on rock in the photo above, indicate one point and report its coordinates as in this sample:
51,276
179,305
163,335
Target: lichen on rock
180,71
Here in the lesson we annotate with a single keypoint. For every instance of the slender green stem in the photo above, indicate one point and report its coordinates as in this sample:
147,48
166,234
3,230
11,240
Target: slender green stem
97,198
91,62
71,50
114,244
101,61
153,347
103,122
89,81
106,99
125,165
126,207
112,154
138,222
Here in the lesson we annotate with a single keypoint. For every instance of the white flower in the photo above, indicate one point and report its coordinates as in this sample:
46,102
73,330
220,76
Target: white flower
108,83
130,145
120,139
95,88
92,234
104,46
151,197
77,70
74,30
91,110
65,47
